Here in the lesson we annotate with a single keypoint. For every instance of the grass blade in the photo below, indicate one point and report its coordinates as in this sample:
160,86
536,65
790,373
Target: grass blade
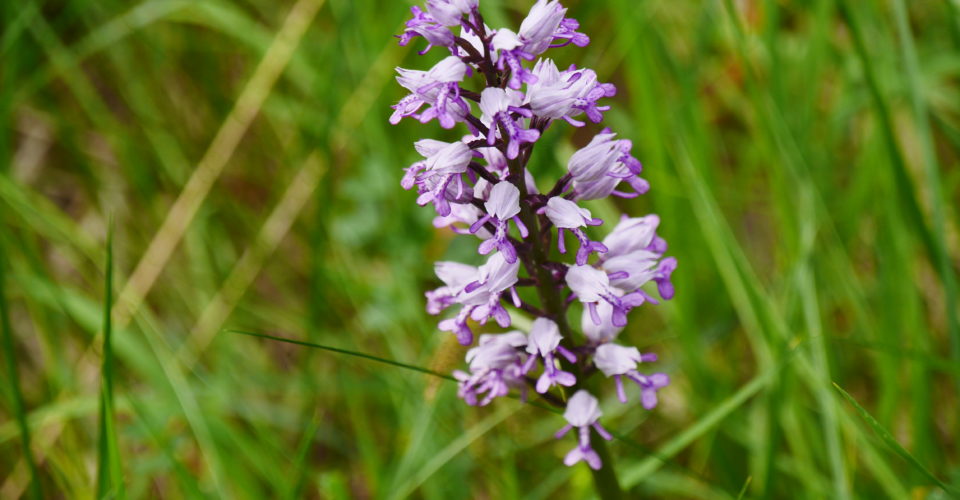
109,469
889,440
632,476
19,410
931,169
347,352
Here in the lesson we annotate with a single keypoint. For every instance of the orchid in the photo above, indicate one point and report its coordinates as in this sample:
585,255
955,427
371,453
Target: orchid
480,187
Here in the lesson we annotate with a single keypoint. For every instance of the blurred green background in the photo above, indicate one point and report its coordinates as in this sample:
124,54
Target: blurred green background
804,160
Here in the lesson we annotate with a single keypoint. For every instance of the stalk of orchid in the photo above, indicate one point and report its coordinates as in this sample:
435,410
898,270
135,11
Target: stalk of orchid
480,187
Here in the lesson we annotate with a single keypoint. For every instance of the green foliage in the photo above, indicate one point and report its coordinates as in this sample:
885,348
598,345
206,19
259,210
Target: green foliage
804,160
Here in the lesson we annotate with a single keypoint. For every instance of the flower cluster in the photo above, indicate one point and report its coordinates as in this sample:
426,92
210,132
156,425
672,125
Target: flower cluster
480,186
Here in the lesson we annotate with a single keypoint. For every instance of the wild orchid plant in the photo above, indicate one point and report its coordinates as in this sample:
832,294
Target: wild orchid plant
480,186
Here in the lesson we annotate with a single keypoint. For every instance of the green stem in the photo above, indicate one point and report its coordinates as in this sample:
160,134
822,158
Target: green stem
605,480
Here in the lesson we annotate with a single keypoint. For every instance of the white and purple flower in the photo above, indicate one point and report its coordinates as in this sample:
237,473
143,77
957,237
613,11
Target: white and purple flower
618,361
544,344
480,184
583,413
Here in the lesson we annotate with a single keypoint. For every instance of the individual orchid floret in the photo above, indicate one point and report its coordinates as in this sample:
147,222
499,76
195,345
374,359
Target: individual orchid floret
583,412
496,366
600,166
605,331
450,12
567,215
495,160
502,206
592,285
567,33
423,24
455,277
618,361
544,343
497,106
539,28
635,233
544,27
509,46
566,94
438,88
461,217
438,177
590,91
480,298
634,256
551,96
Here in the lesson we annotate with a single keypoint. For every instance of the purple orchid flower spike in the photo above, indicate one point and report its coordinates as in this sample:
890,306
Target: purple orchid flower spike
544,343
618,361
481,183
567,215
438,88
583,412
497,105
592,285
502,207
496,366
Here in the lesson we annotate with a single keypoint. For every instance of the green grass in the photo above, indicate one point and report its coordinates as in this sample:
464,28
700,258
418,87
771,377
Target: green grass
805,162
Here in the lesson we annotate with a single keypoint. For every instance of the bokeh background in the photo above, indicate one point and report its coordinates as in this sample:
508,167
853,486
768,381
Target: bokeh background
804,162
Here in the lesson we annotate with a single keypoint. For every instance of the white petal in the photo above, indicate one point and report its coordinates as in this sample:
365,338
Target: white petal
504,201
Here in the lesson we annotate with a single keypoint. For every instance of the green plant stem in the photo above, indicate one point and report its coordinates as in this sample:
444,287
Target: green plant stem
605,479
550,299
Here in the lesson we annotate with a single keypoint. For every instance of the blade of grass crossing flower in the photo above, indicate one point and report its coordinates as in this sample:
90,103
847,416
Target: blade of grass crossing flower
13,377
890,441
110,482
345,351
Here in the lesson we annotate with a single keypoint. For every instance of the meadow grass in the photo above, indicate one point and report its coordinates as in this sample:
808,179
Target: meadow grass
804,158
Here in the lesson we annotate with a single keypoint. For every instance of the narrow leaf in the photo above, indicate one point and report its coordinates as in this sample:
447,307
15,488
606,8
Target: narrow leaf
888,438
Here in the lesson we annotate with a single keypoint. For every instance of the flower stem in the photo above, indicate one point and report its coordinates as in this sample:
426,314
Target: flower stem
605,480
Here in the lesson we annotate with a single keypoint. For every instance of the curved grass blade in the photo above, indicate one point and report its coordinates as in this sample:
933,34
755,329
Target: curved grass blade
345,351
632,476
746,485
109,469
890,441
19,410
659,458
